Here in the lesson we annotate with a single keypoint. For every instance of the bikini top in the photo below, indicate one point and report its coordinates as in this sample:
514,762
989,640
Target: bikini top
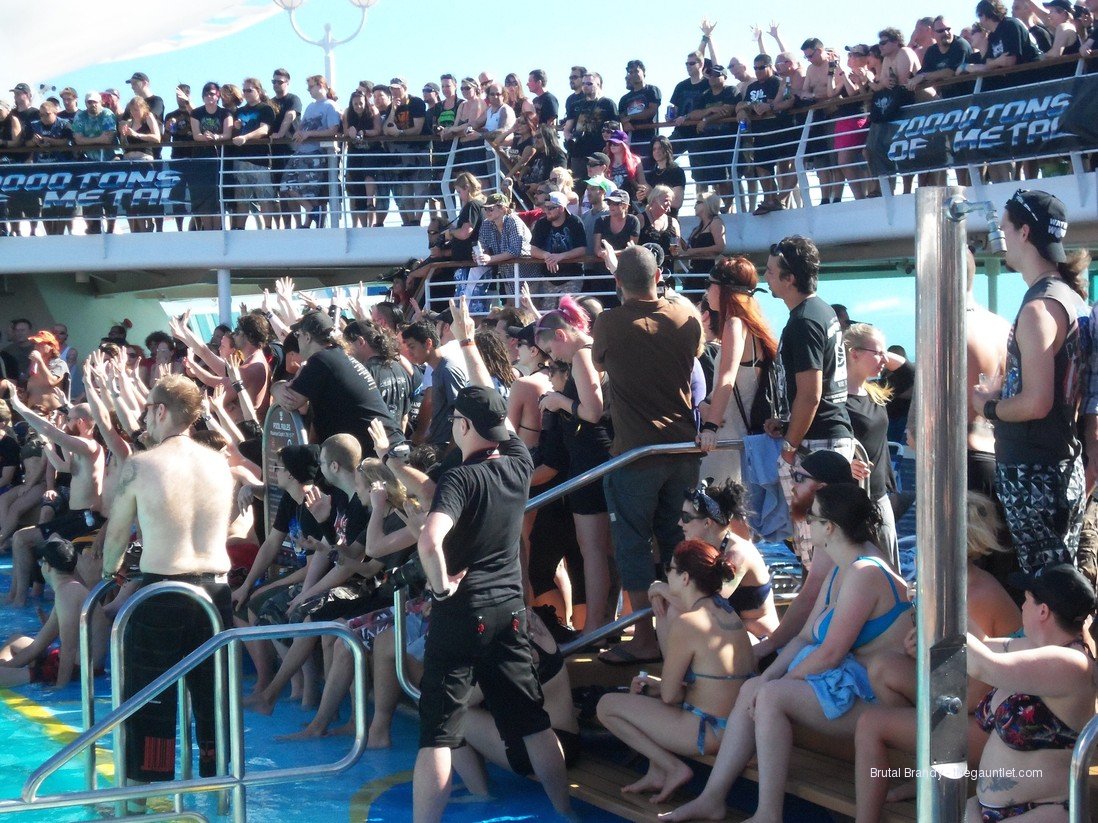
749,598
1025,723
691,675
873,628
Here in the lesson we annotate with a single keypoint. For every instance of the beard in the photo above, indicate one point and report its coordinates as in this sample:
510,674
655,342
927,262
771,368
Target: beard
801,503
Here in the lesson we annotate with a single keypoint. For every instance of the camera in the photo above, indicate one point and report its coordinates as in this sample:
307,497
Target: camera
410,575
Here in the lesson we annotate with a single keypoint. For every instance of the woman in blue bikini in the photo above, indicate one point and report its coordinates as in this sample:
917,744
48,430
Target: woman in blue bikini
706,659
819,679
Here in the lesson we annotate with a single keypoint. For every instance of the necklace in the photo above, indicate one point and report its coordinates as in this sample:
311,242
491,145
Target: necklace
699,601
170,436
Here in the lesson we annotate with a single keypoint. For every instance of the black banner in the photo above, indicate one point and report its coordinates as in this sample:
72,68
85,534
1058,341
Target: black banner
124,185
1006,124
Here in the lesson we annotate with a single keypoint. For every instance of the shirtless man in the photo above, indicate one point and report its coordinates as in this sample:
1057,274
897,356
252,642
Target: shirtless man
819,85
85,459
180,493
986,346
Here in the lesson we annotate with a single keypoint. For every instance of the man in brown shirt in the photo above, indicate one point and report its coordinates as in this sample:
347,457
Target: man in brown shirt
647,348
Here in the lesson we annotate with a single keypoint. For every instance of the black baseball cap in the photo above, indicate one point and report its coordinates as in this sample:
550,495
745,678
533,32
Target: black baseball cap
1061,587
1062,5
859,50
523,334
139,75
1047,216
715,70
598,157
22,87
485,410
826,466
445,316
302,462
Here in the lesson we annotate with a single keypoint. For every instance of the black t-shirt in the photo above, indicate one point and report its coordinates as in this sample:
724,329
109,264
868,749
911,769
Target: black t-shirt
295,520
394,384
472,214
558,239
766,91
28,116
570,104
672,176
620,240
958,54
686,95
250,119
177,128
212,123
546,107
901,381
812,340
728,96
10,456
287,104
343,398
1012,37
404,114
870,423
486,498
590,116
634,102
1042,36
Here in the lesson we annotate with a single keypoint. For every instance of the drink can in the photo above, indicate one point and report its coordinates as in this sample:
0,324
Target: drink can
672,112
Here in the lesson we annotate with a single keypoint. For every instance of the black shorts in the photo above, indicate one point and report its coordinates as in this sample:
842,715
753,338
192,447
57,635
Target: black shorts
161,632
552,538
488,644
73,524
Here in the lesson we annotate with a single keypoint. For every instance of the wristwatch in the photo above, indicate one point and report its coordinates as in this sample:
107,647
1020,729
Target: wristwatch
788,447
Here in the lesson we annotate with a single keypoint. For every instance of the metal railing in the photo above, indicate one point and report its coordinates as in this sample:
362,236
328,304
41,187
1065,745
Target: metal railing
555,493
1079,777
237,781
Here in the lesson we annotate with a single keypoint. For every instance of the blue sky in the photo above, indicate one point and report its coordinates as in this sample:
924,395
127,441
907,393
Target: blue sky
421,39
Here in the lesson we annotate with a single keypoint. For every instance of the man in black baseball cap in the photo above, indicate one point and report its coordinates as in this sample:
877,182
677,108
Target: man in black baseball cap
485,411
1046,216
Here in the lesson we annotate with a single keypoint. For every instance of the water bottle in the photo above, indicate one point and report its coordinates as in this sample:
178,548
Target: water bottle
478,253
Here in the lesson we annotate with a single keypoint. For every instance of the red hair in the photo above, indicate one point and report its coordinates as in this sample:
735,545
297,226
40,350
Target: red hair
707,567
738,276
632,162
568,313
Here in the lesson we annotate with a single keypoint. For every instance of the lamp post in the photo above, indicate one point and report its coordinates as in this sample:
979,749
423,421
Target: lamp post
327,42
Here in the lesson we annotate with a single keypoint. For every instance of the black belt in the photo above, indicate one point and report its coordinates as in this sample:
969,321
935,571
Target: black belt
198,579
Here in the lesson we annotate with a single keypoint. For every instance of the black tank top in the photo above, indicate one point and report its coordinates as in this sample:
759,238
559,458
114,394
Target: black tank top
663,238
700,238
1051,439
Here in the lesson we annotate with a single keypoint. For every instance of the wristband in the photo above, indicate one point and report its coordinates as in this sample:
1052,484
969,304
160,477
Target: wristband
991,410
238,385
443,594
468,342
710,427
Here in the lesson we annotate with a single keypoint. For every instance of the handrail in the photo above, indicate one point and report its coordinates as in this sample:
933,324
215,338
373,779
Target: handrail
118,678
555,493
87,671
1079,776
30,801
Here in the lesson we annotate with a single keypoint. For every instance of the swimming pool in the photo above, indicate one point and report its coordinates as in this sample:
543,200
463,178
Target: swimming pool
36,722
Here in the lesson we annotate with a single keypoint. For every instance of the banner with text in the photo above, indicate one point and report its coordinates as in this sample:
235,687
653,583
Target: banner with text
1016,123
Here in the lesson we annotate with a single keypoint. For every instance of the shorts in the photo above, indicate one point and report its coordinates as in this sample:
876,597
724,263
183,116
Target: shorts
162,631
552,538
307,175
519,759
838,689
369,626
1043,509
489,644
249,183
850,132
819,151
591,499
73,524
60,503
713,157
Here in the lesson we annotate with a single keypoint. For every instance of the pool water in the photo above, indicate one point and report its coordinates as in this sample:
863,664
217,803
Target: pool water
36,722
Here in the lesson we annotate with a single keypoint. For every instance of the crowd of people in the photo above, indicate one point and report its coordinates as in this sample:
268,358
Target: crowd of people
278,151
428,433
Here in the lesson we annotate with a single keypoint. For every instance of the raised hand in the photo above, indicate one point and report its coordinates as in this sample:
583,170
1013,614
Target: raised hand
774,30
707,27
377,433
463,325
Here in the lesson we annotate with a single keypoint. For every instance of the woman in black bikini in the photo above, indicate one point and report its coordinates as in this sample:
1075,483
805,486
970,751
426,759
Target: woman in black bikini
1043,695
706,242
706,659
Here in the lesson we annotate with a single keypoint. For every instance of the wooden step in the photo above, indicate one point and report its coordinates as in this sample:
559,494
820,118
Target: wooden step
599,783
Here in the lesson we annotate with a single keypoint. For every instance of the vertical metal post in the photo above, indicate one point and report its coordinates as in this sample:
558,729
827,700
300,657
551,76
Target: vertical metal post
236,733
400,640
87,673
941,477
224,297
335,192
993,267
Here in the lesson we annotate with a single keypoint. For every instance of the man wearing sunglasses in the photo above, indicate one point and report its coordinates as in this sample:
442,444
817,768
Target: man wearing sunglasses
811,358
941,61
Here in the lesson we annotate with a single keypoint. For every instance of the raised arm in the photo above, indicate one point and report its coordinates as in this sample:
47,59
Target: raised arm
464,330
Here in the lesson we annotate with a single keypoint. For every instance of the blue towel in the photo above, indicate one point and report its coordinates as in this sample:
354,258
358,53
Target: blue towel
770,520
837,689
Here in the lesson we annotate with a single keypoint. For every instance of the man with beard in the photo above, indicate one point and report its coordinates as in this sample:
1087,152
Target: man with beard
583,128
85,458
819,469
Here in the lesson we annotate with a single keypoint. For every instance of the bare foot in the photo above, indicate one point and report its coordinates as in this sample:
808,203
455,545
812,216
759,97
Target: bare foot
258,703
700,808
310,732
674,781
905,791
379,739
631,653
346,730
651,782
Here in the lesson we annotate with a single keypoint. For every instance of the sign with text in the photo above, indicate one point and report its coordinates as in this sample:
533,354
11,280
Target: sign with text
1015,123
281,428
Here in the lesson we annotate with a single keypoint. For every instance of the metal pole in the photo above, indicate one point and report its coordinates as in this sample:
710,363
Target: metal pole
993,267
941,477
329,55
224,297
87,672
1079,778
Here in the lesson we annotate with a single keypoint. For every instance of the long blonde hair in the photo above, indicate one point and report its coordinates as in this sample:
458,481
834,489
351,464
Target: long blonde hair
373,471
856,336
985,528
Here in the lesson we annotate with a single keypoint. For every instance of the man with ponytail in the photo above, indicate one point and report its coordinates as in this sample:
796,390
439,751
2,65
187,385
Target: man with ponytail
1039,468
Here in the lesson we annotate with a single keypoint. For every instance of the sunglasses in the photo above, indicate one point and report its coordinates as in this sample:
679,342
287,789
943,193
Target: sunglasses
815,518
800,476
876,352
776,251
687,517
588,83
761,68
943,31
247,89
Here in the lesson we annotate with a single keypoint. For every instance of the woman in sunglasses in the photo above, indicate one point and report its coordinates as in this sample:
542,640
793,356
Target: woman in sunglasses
718,515
819,679
706,660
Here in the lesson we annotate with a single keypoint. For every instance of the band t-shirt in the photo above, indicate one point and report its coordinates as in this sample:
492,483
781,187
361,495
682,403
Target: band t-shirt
559,239
394,384
250,119
287,104
686,95
207,122
633,103
546,107
1012,37
405,114
10,456
813,341
727,96
343,398
295,521
590,116
485,497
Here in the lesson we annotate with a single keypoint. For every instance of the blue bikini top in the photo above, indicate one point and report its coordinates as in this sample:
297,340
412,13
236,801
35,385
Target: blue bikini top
873,628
